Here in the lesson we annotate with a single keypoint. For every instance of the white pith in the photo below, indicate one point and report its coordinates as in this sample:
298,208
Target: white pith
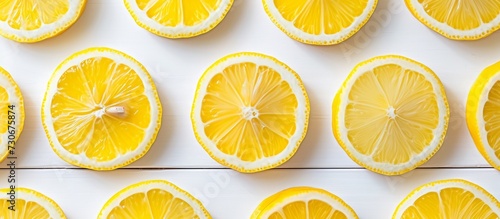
144,188
482,29
300,34
438,132
75,6
306,197
180,29
149,91
28,196
483,98
440,185
12,90
301,112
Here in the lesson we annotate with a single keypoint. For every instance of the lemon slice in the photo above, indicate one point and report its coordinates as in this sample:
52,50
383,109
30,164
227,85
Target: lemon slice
162,199
391,114
11,114
178,19
250,112
483,107
320,22
448,199
458,19
302,203
28,204
30,21
101,110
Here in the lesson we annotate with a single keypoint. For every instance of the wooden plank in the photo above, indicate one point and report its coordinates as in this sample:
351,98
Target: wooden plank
176,66
81,193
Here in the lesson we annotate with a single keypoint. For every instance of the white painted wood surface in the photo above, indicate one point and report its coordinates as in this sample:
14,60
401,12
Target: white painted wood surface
230,195
176,66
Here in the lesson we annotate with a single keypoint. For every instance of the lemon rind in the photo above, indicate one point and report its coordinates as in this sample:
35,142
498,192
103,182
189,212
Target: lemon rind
76,8
302,112
323,39
437,186
181,30
449,32
366,161
150,91
154,184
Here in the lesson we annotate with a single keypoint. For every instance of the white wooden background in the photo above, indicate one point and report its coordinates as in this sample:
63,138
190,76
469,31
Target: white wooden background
176,66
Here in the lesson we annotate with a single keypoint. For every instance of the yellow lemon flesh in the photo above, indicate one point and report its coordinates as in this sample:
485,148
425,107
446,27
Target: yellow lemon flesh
320,22
162,199
31,21
391,114
483,105
178,19
303,203
101,109
448,199
29,204
250,112
458,19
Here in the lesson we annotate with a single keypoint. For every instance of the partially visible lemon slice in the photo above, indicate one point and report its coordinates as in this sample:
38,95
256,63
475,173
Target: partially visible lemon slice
458,19
483,114
320,22
303,203
178,19
101,110
391,114
30,21
28,204
250,112
153,199
448,199
11,114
